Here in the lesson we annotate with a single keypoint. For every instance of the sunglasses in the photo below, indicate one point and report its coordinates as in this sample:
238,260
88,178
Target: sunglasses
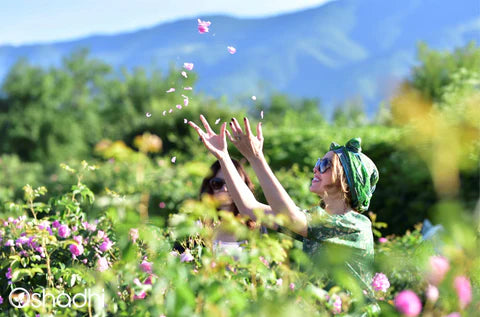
323,165
216,183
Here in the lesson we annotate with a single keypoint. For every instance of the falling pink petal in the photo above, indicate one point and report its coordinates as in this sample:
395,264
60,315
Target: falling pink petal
231,49
188,66
261,114
162,204
171,90
148,115
164,112
203,26
178,107
185,102
188,88
254,98
217,121
185,121
170,111
174,159
184,74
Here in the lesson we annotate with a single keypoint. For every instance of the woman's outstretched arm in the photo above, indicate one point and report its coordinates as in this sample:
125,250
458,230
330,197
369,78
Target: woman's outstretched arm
241,195
277,197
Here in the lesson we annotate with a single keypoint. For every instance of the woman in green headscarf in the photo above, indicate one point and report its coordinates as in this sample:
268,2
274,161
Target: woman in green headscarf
344,178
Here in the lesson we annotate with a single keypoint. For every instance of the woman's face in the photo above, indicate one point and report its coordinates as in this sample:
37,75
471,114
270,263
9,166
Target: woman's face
322,182
222,194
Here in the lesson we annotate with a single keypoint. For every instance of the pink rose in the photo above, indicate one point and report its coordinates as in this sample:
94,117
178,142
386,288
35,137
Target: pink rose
337,305
133,234
186,257
78,239
64,231
102,264
106,245
408,303
380,282
439,266
142,295
76,249
464,290
146,266
432,293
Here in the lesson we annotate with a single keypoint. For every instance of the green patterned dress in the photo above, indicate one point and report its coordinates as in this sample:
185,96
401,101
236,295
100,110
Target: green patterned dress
351,232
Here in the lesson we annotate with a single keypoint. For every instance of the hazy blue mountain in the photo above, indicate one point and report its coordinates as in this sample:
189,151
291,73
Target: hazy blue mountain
343,49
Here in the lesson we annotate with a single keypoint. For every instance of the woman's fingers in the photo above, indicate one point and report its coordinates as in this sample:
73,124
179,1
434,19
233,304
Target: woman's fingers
197,128
206,125
238,128
230,136
222,130
247,127
259,131
232,126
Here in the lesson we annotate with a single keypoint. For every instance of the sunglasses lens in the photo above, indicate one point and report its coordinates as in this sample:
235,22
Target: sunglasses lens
323,165
217,183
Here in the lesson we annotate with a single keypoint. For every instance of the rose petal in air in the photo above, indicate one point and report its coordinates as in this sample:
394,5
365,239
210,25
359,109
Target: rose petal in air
254,98
184,74
203,26
232,50
148,114
185,121
170,111
261,114
188,66
187,88
164,112
171,90
185,102
174,159
217,121
178,107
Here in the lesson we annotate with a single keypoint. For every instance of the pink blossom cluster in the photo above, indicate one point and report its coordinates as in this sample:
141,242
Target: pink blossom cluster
380,282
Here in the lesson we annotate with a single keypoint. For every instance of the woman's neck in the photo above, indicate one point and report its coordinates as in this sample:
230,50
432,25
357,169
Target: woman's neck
335,205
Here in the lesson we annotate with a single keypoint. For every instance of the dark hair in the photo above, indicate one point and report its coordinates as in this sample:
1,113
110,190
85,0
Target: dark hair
214,168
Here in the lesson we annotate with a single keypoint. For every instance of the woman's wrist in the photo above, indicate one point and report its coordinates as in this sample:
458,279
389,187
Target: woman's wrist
223,156
256,158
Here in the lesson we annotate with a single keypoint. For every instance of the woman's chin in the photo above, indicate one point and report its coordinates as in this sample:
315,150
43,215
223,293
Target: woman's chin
315,188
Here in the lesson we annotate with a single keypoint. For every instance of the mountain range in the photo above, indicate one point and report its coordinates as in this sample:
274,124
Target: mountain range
340,50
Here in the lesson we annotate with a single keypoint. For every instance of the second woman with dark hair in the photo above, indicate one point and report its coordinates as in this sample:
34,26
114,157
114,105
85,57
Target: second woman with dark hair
214,185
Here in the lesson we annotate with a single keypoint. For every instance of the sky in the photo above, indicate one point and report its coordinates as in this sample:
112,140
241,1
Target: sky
39,21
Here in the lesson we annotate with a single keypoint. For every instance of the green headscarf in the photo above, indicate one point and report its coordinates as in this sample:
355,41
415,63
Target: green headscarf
361,172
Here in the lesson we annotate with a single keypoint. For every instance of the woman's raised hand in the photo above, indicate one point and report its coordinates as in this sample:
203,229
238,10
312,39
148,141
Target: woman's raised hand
216,144
249,145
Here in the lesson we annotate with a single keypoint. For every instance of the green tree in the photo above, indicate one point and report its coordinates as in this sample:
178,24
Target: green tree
437,67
